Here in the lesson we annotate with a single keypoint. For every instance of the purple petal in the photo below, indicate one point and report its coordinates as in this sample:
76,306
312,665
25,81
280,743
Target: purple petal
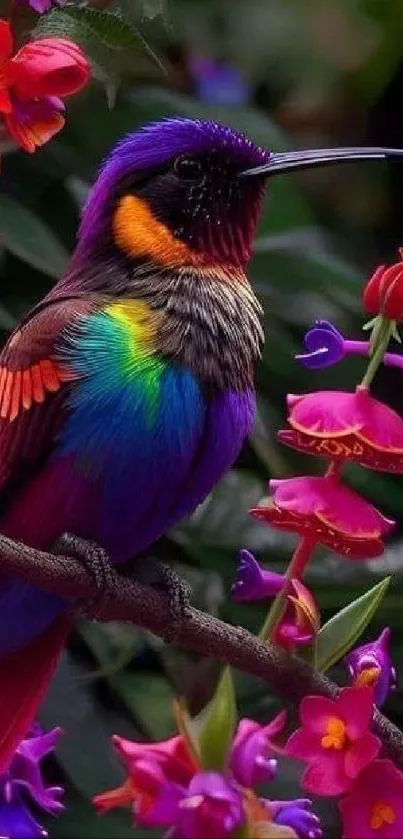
373,656
324,346
212,808
298,815
164,811
250,761
17,822
253,582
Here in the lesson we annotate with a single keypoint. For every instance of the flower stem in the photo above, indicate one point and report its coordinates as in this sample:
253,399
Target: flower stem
384,332
295,570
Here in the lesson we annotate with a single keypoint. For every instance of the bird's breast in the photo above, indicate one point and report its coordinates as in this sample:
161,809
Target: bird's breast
141,429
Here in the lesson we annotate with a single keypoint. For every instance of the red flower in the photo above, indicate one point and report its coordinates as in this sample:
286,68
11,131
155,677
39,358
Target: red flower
331,513
31,83
335,740
373,807
346,426
383,293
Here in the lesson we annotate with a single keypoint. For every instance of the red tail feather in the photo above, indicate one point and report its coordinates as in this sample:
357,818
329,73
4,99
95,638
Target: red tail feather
24,678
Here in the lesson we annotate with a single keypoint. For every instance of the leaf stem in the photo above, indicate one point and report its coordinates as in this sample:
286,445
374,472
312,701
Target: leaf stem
384,330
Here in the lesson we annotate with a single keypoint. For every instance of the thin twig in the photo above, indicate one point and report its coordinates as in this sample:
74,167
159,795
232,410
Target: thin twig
126,600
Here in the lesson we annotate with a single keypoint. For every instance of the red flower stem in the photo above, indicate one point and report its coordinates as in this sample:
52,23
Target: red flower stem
295,570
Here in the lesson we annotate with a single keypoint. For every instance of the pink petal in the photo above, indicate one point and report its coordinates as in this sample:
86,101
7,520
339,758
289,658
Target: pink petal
356,707
326,776
356,819
327,413
315,711
304,744
362,752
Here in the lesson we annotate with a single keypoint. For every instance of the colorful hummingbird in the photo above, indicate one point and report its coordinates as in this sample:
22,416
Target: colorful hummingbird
129,390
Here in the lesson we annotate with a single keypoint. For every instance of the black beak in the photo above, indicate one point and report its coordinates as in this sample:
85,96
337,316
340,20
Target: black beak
293,160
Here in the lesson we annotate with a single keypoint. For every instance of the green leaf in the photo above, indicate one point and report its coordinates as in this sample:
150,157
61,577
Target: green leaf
29,238
94,29
218,721
343,630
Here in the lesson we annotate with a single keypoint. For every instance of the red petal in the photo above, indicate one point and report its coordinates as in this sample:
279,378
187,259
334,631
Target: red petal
49,67
6,39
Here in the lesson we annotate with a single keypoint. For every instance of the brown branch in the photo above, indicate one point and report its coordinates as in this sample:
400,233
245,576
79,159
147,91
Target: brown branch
125,600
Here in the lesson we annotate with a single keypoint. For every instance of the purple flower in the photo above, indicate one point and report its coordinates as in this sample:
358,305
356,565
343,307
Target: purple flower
253,582
212,808
42,6
250,759
23,786
324,346
298,815
370,664
218,83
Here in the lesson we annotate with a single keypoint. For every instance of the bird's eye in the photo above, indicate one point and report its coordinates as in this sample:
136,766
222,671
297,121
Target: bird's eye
187,168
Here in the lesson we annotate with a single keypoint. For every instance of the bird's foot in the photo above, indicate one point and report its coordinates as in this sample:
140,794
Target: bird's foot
95,560
155,573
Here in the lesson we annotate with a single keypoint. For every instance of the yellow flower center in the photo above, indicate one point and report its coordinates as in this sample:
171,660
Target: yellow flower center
335,736
382,813
368,677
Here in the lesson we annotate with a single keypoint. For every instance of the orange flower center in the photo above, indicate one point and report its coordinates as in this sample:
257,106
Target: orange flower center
335,734
382,813
368,677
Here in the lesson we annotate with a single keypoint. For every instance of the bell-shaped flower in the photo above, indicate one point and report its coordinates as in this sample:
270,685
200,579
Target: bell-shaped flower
298,815
300,621
212,808
346,426
22,789
324,346
370,664
251,760
32,82
329,512
383,293
334,740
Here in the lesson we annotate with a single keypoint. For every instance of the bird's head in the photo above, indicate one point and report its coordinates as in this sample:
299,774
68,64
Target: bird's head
188,192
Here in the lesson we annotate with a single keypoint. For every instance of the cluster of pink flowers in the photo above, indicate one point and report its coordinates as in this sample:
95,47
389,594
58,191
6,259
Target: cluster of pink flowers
168,787
33,83
342,757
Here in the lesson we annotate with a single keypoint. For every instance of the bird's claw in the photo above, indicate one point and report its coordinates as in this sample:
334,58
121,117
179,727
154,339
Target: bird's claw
155,573
95,560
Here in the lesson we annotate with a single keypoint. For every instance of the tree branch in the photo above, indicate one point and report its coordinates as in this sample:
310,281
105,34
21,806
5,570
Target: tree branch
126,600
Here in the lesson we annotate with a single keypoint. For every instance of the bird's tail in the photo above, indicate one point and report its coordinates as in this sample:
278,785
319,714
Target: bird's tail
24,678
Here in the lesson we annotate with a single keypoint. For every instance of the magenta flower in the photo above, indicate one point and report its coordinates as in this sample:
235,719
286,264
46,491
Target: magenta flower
212,808
298,815
373,807
22,788
346,426
371,665
42,6
334,740
301,620
332,514
250,759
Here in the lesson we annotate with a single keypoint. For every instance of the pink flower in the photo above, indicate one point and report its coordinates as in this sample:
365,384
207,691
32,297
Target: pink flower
152,767
335,740
331,513
346,426
301,620
32,82
373,808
